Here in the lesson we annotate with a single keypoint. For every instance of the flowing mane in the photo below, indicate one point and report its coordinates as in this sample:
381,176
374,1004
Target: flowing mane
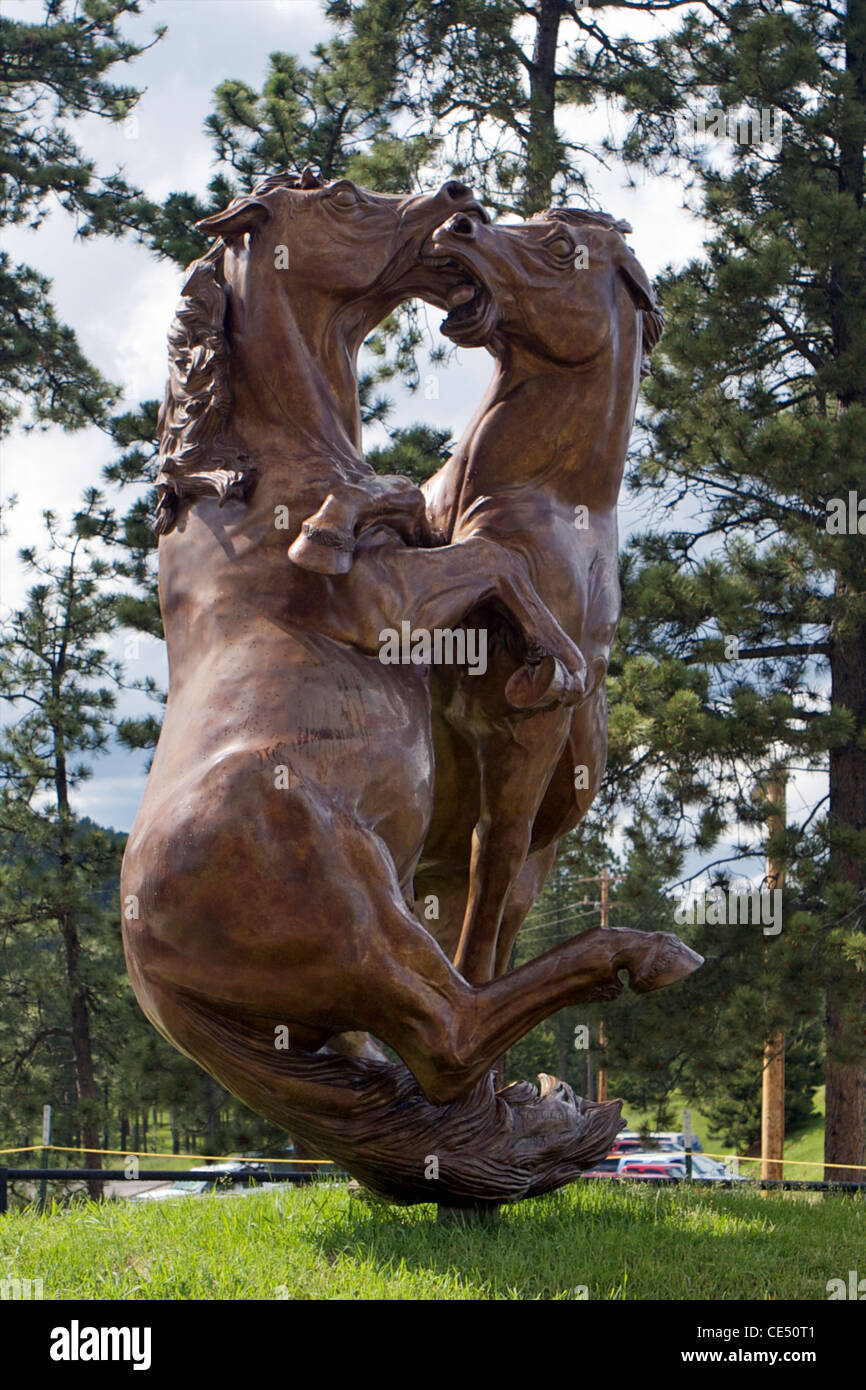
197,455
653,319
197,458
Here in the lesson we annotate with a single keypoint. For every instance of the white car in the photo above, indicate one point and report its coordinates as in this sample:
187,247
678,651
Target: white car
662,1139
219,1178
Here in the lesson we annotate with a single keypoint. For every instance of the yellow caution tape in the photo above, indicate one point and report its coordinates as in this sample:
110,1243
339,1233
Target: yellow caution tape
140,1153
232,1158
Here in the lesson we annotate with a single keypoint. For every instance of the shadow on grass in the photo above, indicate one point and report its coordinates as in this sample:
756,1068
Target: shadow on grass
590,1241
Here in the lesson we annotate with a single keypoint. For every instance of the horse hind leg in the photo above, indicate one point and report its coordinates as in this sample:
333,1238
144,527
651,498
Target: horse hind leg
449,1033
320,940
521,900
515,765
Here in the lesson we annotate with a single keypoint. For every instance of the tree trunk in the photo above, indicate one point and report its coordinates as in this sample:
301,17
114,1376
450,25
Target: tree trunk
845,1127
561,1023
542,144
85,1080
212,1101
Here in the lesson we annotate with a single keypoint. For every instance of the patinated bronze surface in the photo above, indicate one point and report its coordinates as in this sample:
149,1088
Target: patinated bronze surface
273,866
570,317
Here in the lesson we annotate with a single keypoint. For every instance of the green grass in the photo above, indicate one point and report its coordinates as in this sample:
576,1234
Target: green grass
623,1242
808,1144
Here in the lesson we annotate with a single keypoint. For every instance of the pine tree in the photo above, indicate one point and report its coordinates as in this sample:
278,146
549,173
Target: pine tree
63,683
52,72
745,636
498,83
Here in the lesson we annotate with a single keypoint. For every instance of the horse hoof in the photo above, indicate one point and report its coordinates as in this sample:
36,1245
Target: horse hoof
321,550
543,685
667,960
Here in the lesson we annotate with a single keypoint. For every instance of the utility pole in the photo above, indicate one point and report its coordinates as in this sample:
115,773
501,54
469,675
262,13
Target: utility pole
605,922
605,878
773,1075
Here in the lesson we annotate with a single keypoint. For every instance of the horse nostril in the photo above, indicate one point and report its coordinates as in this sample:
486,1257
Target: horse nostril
455,190
462,225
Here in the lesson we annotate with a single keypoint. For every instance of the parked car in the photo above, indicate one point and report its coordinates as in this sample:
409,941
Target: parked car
299,1167
628,1143
648,1168
660,1163
221,1179
708,1169
642,1164
605,1168
713,1171
668,1139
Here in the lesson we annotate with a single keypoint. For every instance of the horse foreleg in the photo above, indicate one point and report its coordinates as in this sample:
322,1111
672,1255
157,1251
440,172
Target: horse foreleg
327,540
438,588
521,900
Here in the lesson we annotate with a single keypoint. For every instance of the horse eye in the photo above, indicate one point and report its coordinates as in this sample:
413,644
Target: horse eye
344,198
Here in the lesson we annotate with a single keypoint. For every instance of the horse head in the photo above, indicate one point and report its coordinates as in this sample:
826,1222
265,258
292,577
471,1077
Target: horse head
349,254
263,348
551,285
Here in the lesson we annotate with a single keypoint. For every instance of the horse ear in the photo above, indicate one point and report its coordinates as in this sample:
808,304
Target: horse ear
241,215
639,284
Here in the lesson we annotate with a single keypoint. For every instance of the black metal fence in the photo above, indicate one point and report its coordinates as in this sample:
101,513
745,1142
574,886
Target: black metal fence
256,1177
247,1177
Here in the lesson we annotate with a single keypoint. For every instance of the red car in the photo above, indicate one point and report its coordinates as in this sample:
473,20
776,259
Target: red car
643,1166
654,1172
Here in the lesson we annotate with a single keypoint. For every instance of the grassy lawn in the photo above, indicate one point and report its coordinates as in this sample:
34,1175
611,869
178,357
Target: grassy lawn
623,1242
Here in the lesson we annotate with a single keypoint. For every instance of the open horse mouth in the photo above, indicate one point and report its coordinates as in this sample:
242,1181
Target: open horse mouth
415,272
468,305
472,314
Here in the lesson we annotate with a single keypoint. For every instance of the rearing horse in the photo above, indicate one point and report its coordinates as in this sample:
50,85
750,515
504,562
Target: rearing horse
267,880
570,317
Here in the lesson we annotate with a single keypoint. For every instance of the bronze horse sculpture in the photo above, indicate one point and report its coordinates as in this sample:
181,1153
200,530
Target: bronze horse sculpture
268,879
570,317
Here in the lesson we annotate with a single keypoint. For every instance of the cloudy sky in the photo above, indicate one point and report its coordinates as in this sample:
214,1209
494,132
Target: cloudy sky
120,299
